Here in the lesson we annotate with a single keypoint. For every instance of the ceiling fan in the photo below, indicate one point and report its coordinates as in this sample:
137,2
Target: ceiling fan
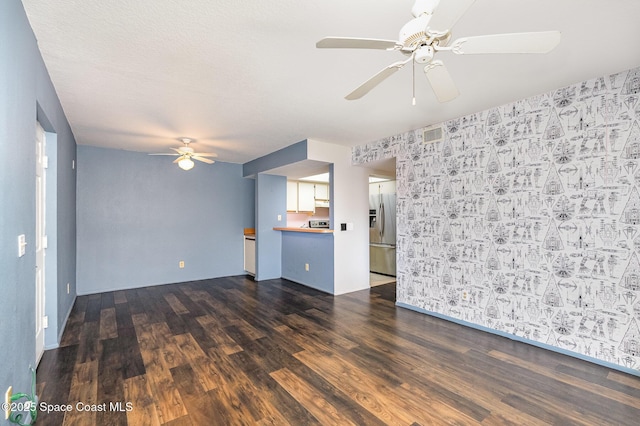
430,32
186,155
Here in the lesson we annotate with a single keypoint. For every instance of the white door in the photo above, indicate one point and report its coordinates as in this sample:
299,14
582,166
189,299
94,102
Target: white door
41,239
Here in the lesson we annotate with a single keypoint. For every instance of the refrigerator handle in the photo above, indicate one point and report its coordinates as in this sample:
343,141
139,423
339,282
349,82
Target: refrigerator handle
382,217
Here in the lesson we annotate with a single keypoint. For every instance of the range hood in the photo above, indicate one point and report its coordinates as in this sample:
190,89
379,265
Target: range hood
322,203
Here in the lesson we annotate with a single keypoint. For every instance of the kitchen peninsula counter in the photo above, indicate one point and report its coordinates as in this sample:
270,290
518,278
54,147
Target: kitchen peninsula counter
306,230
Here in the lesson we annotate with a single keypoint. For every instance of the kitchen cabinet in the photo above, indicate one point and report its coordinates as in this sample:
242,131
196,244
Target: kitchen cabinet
321,191
386,187
250,254
306,197
292,196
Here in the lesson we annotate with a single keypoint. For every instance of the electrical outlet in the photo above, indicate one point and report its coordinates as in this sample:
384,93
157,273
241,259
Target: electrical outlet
7,402
465,295
306,267
181,264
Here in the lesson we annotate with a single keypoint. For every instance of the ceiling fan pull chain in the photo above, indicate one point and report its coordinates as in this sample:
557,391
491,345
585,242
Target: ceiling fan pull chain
413,71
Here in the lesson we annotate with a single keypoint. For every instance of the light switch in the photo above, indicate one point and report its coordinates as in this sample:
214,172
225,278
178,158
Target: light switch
7,402
279,217
22,245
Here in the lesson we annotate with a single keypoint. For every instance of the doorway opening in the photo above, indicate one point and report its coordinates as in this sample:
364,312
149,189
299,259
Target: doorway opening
382,223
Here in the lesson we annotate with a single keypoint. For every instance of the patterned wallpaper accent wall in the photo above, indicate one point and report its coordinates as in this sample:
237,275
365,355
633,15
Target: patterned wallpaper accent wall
525,219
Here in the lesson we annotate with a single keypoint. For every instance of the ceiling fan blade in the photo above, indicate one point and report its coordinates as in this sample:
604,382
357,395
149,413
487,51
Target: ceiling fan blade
357,43
421,7
205,154
182,157
538,42
441,81
204,160
447,13
366,87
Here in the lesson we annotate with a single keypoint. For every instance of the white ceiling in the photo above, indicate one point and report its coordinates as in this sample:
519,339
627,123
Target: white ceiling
244,77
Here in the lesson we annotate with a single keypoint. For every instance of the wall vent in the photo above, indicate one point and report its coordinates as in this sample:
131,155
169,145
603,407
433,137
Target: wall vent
433,134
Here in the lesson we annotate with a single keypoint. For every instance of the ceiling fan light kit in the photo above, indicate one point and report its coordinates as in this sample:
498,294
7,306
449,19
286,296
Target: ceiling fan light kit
186,164
429,33
186,155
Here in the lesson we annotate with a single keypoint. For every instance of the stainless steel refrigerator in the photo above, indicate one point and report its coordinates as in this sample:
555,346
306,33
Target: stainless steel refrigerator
382,227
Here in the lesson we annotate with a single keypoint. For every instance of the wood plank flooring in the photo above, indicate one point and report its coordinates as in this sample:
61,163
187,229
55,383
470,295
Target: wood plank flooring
231,351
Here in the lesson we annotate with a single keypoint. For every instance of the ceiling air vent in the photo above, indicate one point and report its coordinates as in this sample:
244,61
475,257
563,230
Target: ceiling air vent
433,134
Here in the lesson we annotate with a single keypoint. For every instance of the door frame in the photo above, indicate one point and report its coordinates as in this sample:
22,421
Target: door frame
40,240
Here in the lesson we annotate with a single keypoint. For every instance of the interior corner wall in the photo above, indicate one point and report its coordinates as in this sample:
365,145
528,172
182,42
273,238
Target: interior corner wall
350,205
525,220
25,91
140,215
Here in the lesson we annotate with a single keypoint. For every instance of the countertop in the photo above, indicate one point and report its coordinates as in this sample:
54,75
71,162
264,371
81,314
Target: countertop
307,230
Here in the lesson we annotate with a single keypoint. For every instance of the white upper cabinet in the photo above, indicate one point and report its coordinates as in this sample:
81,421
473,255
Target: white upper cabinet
306,197
322,191
388,187
292,196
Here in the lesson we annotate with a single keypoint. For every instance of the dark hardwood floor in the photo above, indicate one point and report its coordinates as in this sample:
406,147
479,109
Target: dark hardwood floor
233,351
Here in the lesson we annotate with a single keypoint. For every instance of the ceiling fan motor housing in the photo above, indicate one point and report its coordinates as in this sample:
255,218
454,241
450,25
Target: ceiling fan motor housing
414,32
423,54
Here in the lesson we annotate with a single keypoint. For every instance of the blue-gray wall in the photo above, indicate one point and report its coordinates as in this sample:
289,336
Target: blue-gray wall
289,155
299,248
139,215
27,95
271,201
